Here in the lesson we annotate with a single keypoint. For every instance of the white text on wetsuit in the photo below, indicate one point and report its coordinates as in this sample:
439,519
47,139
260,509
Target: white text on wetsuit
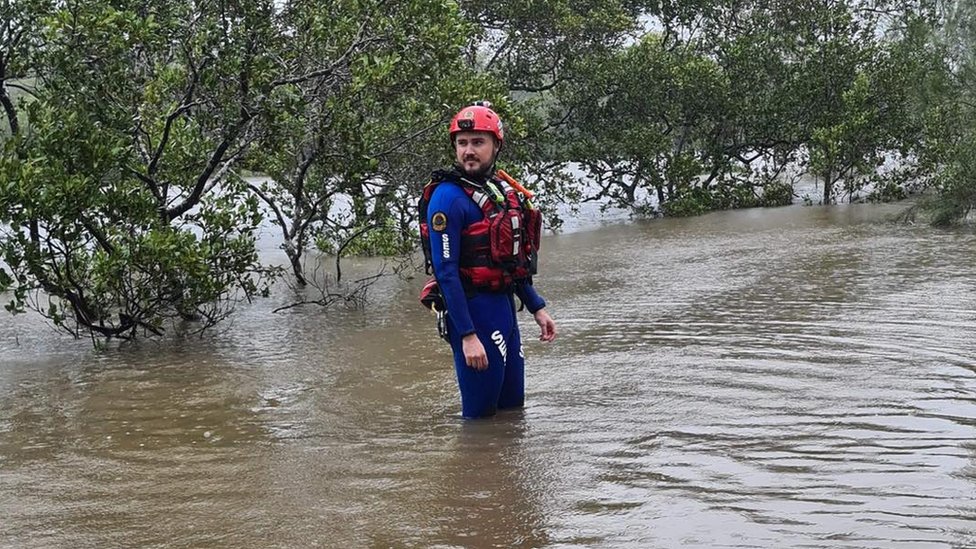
499,340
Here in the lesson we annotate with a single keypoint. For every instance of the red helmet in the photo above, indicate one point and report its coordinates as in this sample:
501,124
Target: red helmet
478,118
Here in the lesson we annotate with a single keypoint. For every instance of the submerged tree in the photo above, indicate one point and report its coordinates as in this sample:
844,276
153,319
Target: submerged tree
536,49
127,126
951,129
687,106
119,199
348,147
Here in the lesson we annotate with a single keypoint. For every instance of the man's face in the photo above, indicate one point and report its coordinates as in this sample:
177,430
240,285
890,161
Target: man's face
474,151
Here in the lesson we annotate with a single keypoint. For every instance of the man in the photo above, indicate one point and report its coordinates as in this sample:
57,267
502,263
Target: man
481,237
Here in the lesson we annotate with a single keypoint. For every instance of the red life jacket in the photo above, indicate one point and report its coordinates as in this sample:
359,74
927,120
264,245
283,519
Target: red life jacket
503,246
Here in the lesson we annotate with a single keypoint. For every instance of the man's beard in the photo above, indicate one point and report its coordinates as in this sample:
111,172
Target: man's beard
481,174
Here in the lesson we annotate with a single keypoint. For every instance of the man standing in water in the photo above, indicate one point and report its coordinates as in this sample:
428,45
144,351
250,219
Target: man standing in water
481,236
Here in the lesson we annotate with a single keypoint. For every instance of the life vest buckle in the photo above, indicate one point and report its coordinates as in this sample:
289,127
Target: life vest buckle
442,325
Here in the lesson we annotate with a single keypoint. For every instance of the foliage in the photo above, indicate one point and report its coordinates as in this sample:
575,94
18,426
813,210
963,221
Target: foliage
385,239
533,49
340,151
534,46
121,206
127,126
646,131
956,179
951,125
20,33
719,98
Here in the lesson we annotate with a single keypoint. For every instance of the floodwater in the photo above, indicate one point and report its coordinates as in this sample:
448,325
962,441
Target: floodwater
792,377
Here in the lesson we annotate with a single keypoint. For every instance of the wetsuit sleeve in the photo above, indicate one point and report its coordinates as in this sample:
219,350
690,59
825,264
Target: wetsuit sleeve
445,217
533,301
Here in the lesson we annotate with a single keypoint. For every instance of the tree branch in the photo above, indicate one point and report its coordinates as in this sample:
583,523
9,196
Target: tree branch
407,139
21,88
314,209
212,164
225,167
274,207
357,43
10,110
98,234
505,44
150,182
184,107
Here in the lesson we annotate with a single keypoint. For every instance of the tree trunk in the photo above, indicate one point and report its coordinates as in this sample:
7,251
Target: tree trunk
828,187
8,108
295,257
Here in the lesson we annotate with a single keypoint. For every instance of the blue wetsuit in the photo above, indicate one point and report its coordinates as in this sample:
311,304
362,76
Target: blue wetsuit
491,315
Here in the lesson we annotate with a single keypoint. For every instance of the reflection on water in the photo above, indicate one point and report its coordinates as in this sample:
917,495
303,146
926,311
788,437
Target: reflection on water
797,377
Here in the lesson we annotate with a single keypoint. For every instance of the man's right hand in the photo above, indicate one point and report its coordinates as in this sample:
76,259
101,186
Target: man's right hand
474,352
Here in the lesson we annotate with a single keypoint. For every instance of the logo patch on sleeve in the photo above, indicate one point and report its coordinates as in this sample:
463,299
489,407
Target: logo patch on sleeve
438,221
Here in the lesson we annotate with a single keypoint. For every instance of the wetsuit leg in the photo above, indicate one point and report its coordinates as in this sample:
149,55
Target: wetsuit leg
513,385
480,390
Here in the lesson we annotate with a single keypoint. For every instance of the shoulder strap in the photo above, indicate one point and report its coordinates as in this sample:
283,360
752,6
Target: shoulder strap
490,197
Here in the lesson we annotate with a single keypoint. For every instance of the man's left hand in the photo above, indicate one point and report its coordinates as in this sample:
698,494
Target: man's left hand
546,325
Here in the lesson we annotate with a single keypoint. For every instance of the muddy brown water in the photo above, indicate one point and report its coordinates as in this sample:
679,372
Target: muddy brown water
793,377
